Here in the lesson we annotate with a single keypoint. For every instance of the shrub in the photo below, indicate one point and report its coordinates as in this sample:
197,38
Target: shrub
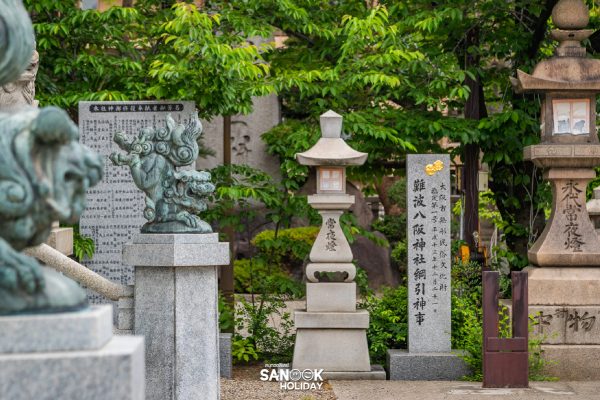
256,276
388,326
263,340
289,249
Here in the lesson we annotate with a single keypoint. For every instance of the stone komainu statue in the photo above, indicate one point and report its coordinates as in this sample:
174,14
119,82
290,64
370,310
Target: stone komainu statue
44,174
173,198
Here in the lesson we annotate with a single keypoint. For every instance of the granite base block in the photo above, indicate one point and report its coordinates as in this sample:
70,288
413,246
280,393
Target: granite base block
88,329
377,373
225,360
405,366
114,372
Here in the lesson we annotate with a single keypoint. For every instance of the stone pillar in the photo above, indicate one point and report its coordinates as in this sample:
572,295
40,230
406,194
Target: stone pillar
69,356
176,309
429,355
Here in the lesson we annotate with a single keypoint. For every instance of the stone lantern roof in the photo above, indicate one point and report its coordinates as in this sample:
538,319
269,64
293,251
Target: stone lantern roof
569,69
331,149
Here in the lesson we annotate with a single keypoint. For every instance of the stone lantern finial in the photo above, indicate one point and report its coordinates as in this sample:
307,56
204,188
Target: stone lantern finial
570,14
331,125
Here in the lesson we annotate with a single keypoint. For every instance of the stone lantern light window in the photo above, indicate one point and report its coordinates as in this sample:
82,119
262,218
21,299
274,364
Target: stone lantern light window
331,180
571,116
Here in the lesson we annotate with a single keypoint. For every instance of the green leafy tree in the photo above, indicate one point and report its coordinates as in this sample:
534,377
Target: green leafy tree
154,49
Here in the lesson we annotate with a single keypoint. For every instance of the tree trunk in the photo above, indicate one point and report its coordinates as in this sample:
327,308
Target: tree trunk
474,109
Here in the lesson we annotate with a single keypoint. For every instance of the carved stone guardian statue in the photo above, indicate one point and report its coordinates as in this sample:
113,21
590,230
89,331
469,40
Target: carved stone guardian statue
44,173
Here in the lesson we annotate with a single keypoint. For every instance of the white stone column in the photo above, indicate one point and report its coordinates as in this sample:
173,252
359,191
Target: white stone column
176,309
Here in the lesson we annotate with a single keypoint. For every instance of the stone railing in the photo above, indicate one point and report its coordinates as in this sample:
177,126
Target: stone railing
91,280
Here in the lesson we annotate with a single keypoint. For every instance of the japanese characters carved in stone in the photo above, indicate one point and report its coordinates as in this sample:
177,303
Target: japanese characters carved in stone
173,198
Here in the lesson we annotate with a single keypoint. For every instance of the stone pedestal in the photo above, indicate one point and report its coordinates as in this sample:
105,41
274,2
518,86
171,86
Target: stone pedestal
331,334
565,306
176,309
69,356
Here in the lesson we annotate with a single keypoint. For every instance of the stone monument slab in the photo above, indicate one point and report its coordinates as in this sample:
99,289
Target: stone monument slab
429,263
115,206
429,354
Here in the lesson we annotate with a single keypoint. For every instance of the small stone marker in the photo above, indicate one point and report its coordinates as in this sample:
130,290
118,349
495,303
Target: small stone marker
428,223
115,206
429,266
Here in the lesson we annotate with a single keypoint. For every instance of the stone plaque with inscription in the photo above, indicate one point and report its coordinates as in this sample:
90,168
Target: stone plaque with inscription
115,206
429,263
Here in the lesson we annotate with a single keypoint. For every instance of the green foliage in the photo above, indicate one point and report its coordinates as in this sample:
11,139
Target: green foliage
263,340
154,50
226,315
256,276
290,248
83,246
240,187
388,321
362,281
392,226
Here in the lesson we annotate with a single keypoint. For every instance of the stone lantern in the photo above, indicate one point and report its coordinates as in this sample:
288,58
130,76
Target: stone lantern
564,279
331,333
569,150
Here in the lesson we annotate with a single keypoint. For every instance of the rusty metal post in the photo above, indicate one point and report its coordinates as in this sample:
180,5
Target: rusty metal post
505,360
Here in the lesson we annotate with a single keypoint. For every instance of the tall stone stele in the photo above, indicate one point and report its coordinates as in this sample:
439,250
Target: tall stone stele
331,333
564,279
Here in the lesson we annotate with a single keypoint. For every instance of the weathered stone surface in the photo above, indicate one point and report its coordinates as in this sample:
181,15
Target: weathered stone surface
332,320
409,366
569,239
563,155
570,14
564,286
331,245
247,147
334,350
88,329
113,372
331,296
549,323
428,223
572,362
375,260
115,206
225,358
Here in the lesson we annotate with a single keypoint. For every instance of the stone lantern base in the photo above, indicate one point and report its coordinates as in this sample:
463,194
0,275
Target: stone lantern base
565,306
332,335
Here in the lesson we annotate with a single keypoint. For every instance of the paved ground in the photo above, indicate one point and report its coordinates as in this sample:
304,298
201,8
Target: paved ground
246,385
421,390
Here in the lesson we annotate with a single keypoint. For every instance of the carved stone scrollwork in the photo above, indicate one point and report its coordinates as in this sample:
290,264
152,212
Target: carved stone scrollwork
315,271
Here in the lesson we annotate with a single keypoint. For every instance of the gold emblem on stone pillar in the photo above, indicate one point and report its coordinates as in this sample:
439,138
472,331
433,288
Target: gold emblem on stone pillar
431,169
